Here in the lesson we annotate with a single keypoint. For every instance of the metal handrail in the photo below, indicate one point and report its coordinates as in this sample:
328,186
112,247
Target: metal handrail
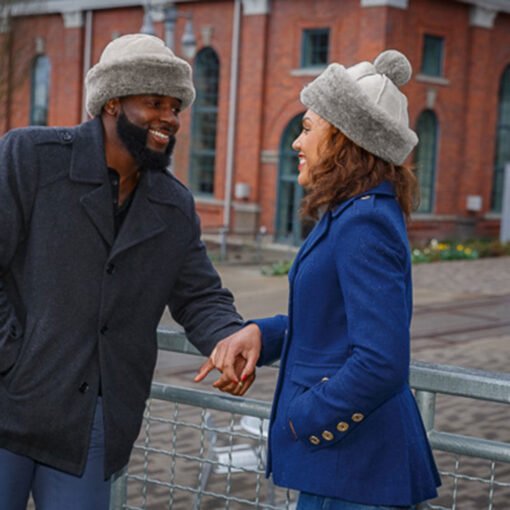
444,379
426,379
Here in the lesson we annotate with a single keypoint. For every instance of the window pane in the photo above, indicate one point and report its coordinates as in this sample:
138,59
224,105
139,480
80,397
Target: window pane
502,142
202,172
432,64
425,159
315,47
204,122
40,91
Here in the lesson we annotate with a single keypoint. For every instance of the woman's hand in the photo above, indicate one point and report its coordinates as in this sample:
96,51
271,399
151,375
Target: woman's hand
235,357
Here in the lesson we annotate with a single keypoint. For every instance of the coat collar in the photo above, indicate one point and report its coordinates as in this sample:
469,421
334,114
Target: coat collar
88,166
385,188
322,227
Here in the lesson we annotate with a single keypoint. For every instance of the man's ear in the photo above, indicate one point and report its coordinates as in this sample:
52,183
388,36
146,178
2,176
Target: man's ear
112,107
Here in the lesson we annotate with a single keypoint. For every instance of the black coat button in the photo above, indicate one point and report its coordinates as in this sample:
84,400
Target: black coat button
67,136
84,387
104,329
110,268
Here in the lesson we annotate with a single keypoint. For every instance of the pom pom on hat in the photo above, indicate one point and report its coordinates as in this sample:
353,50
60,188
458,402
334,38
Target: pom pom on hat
395,66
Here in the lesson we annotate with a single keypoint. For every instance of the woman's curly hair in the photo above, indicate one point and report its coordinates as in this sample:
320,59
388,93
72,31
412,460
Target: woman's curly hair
346,170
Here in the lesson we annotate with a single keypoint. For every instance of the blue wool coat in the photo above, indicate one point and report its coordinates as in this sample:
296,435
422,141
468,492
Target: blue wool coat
344,422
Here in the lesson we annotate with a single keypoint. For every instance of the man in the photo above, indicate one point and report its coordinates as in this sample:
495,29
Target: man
96,238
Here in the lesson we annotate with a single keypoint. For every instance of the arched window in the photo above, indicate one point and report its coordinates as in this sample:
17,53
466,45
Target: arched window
426,158
204,122
502,142
41,69
289,227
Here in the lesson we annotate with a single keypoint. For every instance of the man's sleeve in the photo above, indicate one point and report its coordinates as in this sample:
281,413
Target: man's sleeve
199,302
17,191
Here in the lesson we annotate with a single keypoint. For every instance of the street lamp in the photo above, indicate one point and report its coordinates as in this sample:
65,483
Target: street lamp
147,24
170,16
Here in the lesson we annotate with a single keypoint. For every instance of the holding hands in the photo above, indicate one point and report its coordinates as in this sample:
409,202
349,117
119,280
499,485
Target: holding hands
235,357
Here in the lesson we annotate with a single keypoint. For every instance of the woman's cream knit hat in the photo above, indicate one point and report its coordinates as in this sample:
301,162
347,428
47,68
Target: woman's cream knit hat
365,103
138,64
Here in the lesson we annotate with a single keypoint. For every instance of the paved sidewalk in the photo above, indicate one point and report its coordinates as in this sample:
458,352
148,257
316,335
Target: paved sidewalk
461,317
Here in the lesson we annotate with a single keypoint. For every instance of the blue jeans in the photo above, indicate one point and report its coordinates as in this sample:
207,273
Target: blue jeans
312,502
53,489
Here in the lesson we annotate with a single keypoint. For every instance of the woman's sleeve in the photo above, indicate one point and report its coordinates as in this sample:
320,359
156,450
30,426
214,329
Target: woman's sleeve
274,330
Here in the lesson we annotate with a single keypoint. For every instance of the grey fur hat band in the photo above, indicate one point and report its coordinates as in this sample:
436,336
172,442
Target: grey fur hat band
138,64
365,103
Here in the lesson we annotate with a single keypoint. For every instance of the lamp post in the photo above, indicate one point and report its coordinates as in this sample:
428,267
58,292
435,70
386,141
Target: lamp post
170,16
147,24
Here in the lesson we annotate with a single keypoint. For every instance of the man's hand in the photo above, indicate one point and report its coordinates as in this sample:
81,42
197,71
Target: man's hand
235,357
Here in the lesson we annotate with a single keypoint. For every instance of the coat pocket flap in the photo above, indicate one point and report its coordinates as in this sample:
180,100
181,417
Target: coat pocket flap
308,375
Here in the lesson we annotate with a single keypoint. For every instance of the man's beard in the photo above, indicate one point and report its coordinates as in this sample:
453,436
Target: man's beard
134,139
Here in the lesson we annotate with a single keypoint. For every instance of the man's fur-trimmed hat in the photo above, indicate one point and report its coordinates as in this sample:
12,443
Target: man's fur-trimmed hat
365,103
138,64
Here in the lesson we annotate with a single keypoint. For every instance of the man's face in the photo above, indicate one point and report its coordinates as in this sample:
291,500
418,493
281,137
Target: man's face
146,126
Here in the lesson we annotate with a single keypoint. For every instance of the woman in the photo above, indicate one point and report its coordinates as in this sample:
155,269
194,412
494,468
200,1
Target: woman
345,429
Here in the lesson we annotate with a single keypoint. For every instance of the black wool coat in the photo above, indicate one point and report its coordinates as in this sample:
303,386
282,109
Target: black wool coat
78,307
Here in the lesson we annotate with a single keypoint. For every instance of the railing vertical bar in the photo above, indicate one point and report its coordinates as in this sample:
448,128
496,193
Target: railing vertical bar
426,401
118,495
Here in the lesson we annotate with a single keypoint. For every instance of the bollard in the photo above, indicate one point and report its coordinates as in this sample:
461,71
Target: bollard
223,243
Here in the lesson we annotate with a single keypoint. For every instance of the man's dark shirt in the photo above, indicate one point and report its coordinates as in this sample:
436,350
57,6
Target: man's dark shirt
119,211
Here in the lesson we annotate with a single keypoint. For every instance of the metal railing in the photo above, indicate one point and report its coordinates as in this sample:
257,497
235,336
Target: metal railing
194,452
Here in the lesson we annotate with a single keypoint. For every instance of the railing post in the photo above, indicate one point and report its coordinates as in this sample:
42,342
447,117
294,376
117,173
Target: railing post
118,495
426,401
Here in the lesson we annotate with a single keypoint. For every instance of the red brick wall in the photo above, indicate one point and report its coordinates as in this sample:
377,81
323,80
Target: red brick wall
268,91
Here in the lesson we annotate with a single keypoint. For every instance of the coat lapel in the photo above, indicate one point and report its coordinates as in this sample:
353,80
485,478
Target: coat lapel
143,220
88,166
321,229
315,236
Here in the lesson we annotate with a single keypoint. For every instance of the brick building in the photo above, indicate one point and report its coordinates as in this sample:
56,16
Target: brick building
251,58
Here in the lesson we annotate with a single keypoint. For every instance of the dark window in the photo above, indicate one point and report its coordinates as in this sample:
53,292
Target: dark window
204,122
290,229
502,142
433,49
425,158
41,69
315,47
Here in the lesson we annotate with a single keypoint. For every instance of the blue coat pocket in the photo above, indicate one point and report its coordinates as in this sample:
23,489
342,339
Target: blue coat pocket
308,374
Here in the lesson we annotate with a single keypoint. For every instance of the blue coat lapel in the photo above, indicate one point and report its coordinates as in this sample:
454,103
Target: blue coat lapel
321,229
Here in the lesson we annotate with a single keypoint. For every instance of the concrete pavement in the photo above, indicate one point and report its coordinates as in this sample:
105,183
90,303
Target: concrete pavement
461,317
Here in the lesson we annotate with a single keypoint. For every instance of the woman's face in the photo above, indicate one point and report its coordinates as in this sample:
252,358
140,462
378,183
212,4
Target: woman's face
308,144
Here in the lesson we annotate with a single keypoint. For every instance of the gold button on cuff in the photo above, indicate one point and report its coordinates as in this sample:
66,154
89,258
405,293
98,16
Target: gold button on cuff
357,417
314,440
328,436
324,379
342,426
